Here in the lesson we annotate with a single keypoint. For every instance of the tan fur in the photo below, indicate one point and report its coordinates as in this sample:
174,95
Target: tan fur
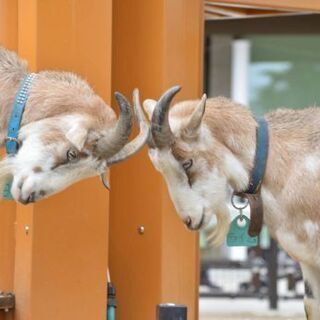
62,114
293,134
220,120
54,135
52,93
291,185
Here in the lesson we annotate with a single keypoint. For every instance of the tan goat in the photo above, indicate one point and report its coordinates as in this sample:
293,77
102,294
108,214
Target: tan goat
67,133
205,148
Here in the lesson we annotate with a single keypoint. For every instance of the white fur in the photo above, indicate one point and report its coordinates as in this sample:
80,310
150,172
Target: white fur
290,190
311,228
34,153
62,114
207,196
295,247
235,171
312,163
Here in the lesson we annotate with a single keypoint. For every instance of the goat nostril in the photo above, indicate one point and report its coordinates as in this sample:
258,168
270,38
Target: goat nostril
32,197
188,221
42,193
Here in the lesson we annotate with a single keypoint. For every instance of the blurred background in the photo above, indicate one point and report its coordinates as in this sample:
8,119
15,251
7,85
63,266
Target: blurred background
264,54
265,58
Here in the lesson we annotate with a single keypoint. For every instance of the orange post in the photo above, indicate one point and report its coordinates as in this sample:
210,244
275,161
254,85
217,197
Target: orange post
156,44
62,243
8,38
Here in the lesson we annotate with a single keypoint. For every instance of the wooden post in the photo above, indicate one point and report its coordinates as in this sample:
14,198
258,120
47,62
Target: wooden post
156,44
9,39
62,243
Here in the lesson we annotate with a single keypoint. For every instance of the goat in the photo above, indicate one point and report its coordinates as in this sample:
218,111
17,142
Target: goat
205,148
67,133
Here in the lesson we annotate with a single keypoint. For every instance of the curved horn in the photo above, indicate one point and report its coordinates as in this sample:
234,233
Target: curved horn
110,144
197,115
160,128
138,142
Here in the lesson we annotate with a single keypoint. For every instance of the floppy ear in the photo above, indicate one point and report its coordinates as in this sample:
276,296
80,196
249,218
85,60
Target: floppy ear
195,119
148,106
77,135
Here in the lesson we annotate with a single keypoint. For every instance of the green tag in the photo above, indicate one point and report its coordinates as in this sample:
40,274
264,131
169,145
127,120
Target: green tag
7,191
238,233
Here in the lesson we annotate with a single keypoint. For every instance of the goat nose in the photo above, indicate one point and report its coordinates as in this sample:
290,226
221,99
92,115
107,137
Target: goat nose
30,199
188,222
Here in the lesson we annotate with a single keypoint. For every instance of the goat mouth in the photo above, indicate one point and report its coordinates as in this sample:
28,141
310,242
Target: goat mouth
198,226
28,200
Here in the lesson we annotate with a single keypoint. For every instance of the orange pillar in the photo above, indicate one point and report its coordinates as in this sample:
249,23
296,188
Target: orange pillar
156,44
8,38
62,242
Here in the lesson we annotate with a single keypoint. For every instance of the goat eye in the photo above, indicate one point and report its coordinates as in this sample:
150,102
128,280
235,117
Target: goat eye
187,164
72,155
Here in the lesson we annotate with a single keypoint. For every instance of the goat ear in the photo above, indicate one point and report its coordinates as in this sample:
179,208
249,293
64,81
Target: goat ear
77,135
148,106
195,119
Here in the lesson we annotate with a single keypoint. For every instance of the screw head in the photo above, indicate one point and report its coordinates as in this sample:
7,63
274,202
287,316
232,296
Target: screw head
141,229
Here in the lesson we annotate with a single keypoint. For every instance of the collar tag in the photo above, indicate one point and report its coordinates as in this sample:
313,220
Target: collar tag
238,233
6,194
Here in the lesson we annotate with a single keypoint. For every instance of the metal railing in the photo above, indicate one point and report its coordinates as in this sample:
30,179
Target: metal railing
263,276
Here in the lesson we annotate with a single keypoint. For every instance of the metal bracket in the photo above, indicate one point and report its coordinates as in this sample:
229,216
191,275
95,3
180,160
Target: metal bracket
7,301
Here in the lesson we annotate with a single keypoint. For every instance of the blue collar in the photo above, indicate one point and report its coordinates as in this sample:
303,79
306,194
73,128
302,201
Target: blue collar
20,100
261,156
12,142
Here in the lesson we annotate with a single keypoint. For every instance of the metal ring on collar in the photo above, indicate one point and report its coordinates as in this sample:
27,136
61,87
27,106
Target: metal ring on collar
17,141
236,206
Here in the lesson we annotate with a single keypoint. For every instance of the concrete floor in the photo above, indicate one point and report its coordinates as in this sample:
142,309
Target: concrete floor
250,317
249,309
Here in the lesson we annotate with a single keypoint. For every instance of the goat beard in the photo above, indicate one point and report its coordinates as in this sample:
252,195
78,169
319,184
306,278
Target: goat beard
220,230
5,174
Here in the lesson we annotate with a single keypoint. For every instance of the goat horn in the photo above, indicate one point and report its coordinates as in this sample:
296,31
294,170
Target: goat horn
137,143
111,144
197,115
160,128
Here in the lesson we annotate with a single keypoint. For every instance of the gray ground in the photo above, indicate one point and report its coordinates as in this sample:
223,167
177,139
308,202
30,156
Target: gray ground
249,309
250,317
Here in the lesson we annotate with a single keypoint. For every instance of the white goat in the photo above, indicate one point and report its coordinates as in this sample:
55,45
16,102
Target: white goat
204,148
67,133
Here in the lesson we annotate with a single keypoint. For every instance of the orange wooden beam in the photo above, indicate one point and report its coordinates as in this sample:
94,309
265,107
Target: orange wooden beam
156,44
9,39
9,23
62,242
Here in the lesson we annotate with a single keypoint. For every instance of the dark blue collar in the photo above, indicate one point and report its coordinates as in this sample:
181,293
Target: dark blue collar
20,100
261,156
